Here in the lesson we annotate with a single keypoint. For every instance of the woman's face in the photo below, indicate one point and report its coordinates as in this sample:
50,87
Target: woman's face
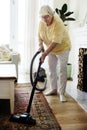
47,19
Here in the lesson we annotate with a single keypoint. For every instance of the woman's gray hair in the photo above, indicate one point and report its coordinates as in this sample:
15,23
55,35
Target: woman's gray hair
46,10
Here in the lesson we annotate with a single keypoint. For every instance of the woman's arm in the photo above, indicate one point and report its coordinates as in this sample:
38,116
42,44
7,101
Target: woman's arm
41,47
48,50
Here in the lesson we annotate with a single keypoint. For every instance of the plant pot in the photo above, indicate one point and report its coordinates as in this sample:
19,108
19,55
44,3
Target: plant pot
69,70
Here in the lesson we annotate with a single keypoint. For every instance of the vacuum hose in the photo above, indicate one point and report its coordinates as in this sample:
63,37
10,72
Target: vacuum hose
41,88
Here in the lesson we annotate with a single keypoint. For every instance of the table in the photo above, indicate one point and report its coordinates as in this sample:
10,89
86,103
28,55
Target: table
8,77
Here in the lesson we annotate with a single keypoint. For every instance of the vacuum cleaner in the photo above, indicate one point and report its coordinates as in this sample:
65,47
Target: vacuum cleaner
26,118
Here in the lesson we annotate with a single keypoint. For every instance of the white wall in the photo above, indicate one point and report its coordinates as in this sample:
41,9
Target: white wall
59,3
80,11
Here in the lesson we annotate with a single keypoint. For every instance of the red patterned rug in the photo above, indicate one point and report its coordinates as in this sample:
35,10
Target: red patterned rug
40,111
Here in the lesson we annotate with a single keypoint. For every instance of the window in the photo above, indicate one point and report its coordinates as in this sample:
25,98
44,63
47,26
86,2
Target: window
4,22
44,2
21,20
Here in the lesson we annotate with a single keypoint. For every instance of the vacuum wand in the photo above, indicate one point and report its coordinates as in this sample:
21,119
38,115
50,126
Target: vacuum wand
33,89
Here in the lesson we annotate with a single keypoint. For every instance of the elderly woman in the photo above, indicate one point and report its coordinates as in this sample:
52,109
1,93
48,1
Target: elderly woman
54,35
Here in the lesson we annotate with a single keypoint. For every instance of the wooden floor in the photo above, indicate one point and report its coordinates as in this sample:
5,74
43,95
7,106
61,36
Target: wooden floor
69,115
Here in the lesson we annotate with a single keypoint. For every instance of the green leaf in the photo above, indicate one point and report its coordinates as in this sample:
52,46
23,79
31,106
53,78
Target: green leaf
64,8
57,11
69,19
68,14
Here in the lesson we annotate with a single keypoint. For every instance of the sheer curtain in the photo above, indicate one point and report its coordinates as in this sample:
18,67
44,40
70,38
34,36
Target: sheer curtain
4,22
19,27
28,22
27,33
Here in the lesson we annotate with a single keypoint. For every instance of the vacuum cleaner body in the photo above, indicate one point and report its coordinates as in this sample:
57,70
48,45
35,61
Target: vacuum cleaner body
26,118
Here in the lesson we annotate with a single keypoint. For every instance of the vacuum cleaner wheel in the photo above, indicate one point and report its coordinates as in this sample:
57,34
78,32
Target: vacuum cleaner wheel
25,118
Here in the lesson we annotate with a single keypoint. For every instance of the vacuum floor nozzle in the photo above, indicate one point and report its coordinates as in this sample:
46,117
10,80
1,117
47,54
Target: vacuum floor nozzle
25,118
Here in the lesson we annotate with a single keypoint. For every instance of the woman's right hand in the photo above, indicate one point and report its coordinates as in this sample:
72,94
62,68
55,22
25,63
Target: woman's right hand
41,49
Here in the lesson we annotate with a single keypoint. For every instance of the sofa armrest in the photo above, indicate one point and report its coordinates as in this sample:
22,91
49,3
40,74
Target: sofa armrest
15,60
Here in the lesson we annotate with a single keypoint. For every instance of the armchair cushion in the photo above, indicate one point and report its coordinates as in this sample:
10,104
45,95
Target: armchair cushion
8,56
5,53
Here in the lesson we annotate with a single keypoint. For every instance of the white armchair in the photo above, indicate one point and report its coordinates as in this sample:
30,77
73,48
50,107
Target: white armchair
8,56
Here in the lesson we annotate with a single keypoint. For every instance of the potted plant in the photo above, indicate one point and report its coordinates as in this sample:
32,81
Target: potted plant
65,16
64,13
